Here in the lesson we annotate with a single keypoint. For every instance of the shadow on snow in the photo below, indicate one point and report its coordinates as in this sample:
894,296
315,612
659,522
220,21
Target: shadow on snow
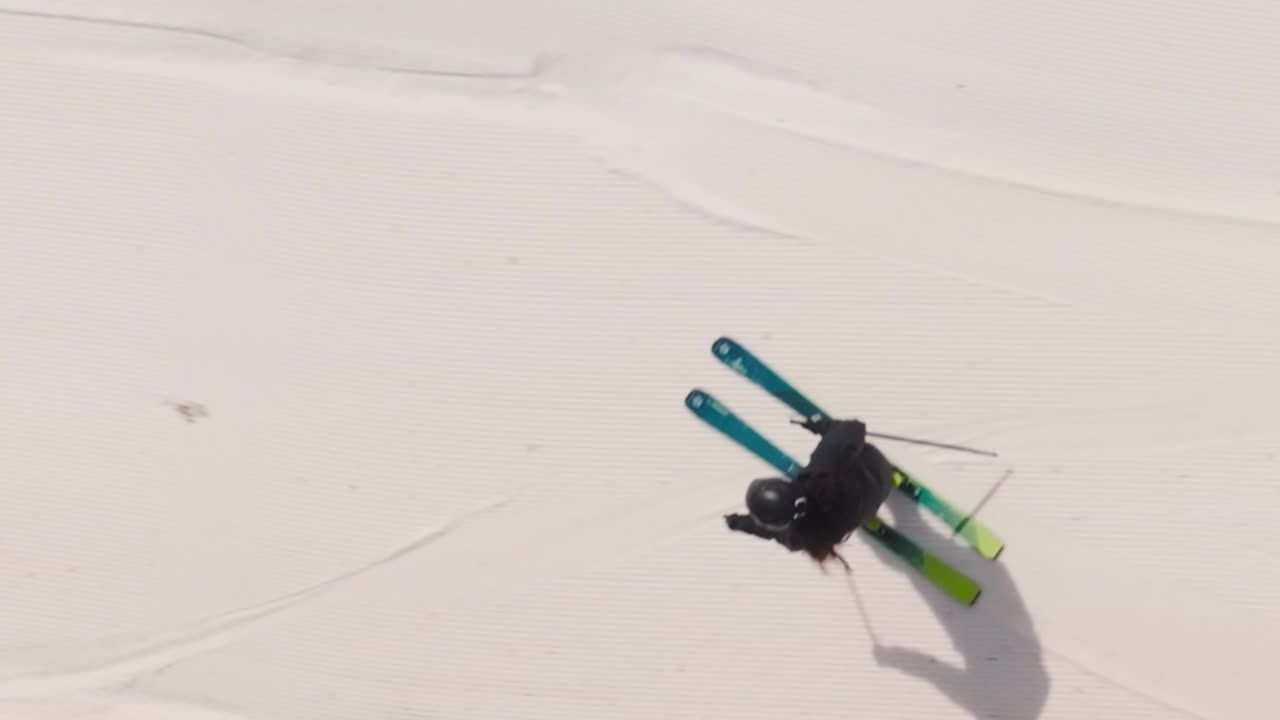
1003,673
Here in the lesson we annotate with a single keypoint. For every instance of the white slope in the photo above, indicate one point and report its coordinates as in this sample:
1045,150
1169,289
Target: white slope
343,345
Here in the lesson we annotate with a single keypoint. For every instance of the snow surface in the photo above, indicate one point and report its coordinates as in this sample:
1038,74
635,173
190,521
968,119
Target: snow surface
343,345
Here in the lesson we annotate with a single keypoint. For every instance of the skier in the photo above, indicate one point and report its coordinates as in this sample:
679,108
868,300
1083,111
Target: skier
843,486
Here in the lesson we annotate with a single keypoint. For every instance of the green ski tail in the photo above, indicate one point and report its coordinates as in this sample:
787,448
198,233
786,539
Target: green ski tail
951,581
980,538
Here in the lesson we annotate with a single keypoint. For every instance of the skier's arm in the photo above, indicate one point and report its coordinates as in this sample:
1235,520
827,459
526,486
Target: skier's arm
848,432
826,426
747,524
840,442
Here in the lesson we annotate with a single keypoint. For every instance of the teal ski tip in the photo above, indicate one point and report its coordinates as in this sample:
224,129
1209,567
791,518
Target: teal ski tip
740,360
696,399
715,414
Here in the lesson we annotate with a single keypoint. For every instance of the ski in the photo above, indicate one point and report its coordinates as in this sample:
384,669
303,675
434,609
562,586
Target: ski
721,418
737,358
949,580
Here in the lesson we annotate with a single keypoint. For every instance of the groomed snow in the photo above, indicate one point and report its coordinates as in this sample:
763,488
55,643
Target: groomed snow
343,348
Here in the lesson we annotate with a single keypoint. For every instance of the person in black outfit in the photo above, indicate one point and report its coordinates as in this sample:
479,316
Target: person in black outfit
843,485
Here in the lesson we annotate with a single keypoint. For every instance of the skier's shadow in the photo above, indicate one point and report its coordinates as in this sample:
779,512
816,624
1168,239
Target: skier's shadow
1003,673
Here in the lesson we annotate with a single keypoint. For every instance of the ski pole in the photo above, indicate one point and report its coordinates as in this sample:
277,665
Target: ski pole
962,448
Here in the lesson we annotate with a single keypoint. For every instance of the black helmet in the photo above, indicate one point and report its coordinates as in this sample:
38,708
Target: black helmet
774,502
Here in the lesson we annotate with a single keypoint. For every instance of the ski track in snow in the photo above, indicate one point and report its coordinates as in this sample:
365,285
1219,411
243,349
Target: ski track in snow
157,653
405,256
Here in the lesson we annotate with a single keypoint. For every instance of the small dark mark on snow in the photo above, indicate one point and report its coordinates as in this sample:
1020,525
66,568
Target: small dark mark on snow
532,448
961,86
191,411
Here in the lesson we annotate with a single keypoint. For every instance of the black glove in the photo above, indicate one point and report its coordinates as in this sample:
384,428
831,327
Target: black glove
818,426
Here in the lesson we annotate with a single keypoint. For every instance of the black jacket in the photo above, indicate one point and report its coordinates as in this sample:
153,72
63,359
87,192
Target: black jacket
857,465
